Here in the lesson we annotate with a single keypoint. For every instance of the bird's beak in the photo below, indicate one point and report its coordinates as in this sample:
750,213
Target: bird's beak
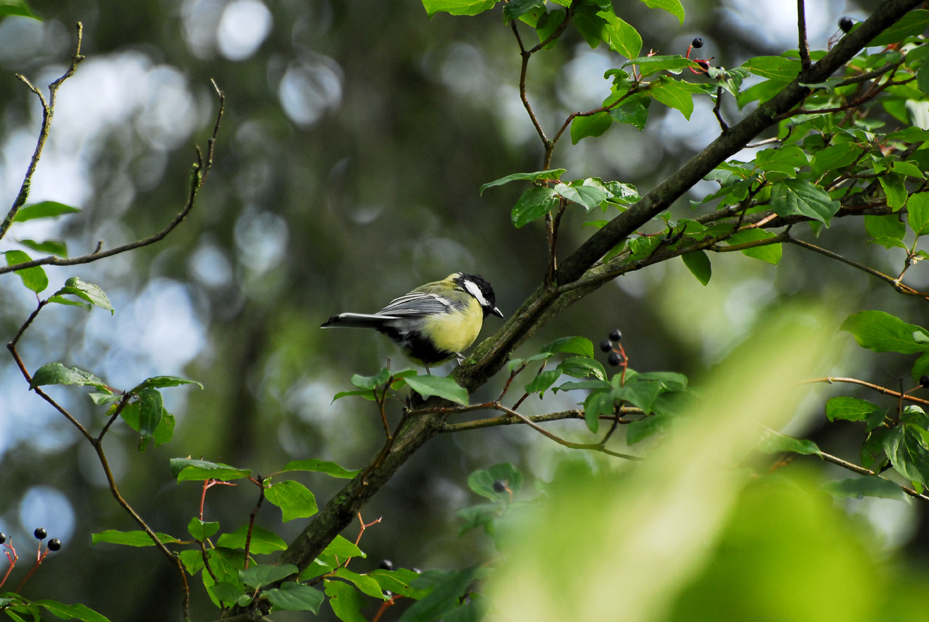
497,312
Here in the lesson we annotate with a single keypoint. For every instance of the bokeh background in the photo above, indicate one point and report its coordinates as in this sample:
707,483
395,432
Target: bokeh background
356,136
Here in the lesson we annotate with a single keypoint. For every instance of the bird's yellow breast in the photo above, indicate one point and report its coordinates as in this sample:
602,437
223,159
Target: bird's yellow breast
454,332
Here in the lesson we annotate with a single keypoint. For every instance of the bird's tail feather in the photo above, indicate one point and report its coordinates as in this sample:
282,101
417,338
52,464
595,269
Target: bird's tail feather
357,320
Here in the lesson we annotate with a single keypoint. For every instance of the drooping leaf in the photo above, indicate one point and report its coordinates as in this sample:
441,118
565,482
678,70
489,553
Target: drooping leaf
458,7
54,247
775,68
86,291
33,278
699,265
45,209
850,409
262,541
131,538
201,530
581,346
770,253
534,203
161,382
70,612
584,126
345,601
186,469
320,466
364,583
295,597
262,575
549,175
56,373
917,210
673,7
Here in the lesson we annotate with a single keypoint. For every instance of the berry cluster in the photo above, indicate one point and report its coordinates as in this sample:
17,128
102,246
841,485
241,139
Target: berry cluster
612,345
704,63
6,543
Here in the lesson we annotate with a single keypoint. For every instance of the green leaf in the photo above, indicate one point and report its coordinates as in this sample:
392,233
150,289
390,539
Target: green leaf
458,7
293,498
894,186
444,597
86,306
673,7
33,278
641,393
776,68
885,227
345,601
792,197
295,597
364,583
86,291
770,253
643,428
201,530
835,157
784,160
227,592
542,381
260,576
912,24
621,36
45,209
56,373
583,126
582,367
320,466
588,193
161,382
444,387
866,486
517,8
850,409
917,210
482,481
581,346
882,332
186,469
779,443
398,581
55,247
699,265
907,454
633,111
549,175
649,65
262,541
70,612
131,538
371,382
921,367
151,407
597,404
534,203
674,94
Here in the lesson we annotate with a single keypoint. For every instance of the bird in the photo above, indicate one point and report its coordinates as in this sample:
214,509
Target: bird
433,323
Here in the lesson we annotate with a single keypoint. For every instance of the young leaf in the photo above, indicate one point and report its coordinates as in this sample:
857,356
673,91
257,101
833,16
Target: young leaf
262,541
699,265
160,382
186,469
549,175
70,612
293,498
33,278
517,8
56,373
882,332
45,209
295,597
260,576
458,7
850,409
444,387
86,291
371,382
54,247
866,486
582,367
131,538
582,346
320,466
364,583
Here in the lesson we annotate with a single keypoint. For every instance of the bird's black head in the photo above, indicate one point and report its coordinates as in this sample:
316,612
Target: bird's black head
482,290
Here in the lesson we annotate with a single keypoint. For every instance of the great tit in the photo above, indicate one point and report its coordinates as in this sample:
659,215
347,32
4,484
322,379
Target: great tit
435,321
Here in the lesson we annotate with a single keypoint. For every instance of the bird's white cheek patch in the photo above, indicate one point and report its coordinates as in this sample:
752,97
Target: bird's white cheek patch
475,291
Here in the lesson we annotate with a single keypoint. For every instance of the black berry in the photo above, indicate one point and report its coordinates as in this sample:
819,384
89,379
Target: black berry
386,564
605,345
705,64
614,359
499,486
924,381
845,24
615,335
40,533
2,537
697,43
54,544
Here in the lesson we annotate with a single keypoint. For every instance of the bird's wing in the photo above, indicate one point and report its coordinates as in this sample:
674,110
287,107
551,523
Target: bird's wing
416,304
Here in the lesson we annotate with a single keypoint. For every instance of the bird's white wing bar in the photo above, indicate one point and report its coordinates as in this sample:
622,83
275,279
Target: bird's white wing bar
417,304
